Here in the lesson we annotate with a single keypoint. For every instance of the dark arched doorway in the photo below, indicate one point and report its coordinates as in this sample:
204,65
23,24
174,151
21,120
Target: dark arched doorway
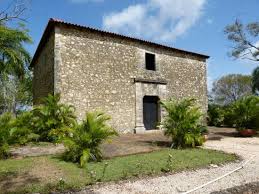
151,112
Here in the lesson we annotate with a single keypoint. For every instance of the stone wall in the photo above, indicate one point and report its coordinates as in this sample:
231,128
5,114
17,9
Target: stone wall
96,75
95,71
43,72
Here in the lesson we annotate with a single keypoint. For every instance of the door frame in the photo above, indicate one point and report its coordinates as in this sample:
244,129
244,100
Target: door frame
144,88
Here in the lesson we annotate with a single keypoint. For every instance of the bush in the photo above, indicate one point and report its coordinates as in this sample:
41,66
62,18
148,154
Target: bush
228,116
182,123
246,113
87,137
22,129
215,115
5,126
53,119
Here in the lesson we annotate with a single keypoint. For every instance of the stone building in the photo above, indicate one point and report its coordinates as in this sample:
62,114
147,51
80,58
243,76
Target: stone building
123,76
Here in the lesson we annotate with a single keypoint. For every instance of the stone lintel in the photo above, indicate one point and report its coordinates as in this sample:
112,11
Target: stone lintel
151,81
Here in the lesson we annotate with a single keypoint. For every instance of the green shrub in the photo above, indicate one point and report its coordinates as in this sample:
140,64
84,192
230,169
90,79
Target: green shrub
52,118
182,123
22,130
246,113
5,126
87,137
215,115
229,116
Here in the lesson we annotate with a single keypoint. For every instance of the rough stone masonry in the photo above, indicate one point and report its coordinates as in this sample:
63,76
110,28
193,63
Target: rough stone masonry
98,70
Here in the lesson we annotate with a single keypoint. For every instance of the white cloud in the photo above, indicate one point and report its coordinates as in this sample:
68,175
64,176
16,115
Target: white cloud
85,1
161,20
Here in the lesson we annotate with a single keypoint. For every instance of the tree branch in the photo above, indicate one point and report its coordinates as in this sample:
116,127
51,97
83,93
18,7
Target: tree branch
18,10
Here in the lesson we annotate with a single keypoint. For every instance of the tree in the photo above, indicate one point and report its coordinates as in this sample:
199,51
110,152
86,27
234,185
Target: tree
15,77
18,94
15,10
230,88
255,81
244,37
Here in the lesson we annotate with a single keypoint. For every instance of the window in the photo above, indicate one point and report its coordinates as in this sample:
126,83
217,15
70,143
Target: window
150,62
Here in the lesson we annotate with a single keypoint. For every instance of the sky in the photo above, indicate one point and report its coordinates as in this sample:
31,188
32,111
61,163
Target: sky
193,25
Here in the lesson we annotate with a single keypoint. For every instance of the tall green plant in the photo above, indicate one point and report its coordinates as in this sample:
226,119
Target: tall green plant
246,113
14,56
182,122
87,137
14,60
215,115
5,126
22,129
52,118
255,80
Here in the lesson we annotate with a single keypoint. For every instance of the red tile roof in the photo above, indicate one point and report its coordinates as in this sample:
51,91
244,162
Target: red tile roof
53,22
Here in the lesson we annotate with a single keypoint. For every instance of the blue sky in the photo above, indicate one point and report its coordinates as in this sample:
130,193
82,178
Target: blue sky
195,25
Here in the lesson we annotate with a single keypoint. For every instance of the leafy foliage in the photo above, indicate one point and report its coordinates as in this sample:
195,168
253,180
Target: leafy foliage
15,94
243,37
5,125
53,119
182,122
15,77
229,115
12,51
230,88
246,113
22,129
255,81
215,115
87,137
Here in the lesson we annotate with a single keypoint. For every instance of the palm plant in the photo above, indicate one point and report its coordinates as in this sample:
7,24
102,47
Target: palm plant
85,142
182,122
53,120
22,129
13,54
14,60
246,113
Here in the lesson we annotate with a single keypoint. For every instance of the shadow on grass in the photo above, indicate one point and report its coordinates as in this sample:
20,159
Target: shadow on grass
11,181
162,144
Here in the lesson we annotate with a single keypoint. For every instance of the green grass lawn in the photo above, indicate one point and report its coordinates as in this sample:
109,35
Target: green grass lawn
49,173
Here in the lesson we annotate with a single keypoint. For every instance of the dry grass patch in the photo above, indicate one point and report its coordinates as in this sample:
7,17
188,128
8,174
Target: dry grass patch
49,173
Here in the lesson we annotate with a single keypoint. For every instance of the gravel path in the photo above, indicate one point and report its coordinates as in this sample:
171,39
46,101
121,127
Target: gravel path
245,147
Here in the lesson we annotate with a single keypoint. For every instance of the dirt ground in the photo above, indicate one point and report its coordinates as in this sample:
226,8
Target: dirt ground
127,144
124,144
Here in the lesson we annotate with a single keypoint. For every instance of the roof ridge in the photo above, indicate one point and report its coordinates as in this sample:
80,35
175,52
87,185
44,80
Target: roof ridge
53,21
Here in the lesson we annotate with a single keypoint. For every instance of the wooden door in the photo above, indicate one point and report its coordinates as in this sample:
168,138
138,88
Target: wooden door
150,112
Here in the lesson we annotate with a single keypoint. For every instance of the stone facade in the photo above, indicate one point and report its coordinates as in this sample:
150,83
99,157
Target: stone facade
43,77
93,70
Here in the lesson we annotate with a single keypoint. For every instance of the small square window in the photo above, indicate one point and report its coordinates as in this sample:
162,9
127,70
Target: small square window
150,62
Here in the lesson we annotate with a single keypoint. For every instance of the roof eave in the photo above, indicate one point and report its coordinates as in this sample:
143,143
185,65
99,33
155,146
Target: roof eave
48,29
52,22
